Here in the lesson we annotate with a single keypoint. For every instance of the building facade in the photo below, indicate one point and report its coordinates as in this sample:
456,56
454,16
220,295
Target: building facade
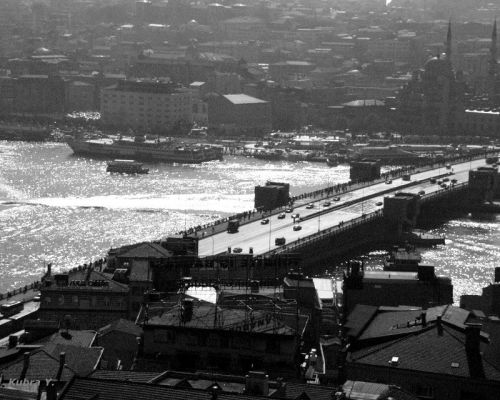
146,104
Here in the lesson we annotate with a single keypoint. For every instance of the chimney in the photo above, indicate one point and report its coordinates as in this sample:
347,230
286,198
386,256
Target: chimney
439,325
49,269
497,274
26,365
187,310
257,383
473,350
423,317
62,361
51,391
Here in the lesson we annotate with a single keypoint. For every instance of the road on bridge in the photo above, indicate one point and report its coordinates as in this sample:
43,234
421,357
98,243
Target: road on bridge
338,208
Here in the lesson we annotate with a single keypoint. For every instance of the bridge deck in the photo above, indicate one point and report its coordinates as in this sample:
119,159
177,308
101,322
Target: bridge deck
350,207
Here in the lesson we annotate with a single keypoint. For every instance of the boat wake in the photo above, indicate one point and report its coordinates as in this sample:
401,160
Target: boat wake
210,203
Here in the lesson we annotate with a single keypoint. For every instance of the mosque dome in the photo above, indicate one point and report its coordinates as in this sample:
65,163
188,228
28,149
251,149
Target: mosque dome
437,66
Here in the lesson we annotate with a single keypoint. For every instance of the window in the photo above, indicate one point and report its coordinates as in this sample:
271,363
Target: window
75,299
107,301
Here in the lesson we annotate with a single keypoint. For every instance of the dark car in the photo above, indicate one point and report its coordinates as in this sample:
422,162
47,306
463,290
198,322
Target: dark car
279,241
336,198
297,227
288,210
237,250
309,206
281,215
326,204
264,221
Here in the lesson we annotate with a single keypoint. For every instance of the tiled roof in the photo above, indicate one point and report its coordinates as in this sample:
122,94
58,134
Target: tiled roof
393,323
132,376
86,388
121,325
359,318
11,394
425,351
42,366
82,360
316,392
146,250
83,338
360,390
206,316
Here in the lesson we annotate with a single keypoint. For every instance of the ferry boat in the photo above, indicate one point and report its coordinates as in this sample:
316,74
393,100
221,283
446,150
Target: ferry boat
138,148
126,167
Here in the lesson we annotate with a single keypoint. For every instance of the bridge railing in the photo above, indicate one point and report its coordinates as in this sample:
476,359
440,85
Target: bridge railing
355,222
451,188
341,227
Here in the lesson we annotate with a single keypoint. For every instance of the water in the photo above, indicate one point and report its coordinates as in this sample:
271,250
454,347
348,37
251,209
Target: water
58,208
55,207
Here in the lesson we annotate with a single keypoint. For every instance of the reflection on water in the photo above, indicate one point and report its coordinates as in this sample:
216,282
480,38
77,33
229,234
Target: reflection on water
55,207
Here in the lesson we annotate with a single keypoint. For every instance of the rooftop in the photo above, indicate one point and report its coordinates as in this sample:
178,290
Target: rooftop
243,99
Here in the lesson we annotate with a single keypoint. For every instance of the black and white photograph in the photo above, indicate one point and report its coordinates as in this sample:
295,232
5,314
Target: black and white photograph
249,199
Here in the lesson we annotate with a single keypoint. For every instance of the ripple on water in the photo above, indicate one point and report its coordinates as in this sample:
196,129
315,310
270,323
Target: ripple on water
67,210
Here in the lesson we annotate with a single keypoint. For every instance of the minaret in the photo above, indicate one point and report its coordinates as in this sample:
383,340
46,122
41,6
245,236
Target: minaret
493,52
448,42
492,72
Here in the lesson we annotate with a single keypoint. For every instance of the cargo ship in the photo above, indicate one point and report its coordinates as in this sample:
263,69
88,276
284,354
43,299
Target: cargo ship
138,148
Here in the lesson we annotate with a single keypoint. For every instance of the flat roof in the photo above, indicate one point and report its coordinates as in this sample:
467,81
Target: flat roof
243,99
394,275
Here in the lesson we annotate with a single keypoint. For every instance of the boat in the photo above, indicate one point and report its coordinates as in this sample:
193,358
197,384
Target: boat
140,148
126,167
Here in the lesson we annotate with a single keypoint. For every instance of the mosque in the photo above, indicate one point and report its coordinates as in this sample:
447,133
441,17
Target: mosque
433,101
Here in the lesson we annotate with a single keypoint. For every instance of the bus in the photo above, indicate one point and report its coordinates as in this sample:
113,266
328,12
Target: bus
11,308
233,225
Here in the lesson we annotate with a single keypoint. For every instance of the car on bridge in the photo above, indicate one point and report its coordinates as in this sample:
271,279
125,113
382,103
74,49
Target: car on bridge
432,180
336,198
327,204
281,215
446,179
309,206
297,227
237,250
264,221
288,210
379,203
388,181
454,181
421,192
279,241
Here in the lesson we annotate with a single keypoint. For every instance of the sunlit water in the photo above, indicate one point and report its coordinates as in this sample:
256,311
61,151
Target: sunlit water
55,207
